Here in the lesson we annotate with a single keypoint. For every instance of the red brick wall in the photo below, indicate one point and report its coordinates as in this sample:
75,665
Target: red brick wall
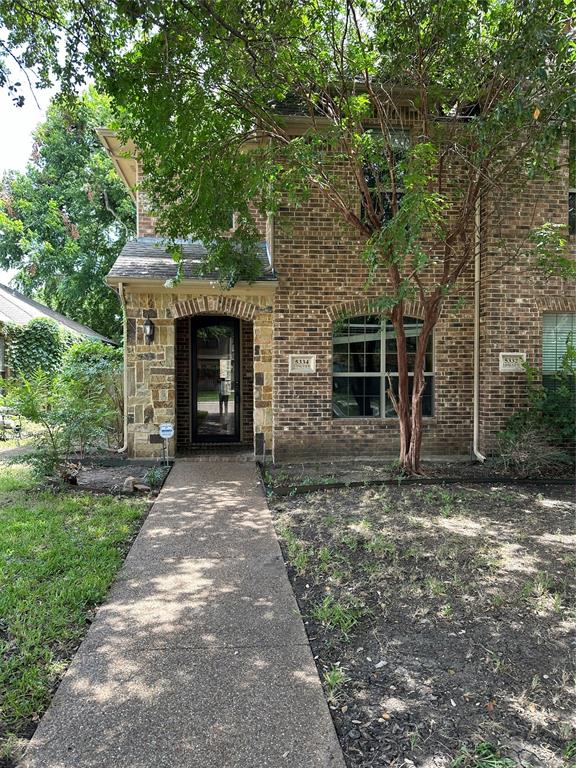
320,271
321,275
515,295
145,222
319,268
182,361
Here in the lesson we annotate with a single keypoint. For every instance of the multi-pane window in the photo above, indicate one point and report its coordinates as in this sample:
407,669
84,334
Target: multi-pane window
559,331
365,367
377,172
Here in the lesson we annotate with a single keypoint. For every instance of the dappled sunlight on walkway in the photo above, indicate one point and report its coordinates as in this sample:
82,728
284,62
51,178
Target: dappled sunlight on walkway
199,657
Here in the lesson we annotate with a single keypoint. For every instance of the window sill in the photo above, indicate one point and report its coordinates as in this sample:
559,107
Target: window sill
375,419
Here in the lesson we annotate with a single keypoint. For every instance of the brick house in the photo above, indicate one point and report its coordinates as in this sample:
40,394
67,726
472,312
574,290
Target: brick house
297,364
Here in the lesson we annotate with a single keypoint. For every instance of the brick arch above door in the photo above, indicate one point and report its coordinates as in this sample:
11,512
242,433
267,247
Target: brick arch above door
230,306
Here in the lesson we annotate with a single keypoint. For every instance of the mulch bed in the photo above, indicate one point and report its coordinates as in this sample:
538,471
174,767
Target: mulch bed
451,613
292,479
110,479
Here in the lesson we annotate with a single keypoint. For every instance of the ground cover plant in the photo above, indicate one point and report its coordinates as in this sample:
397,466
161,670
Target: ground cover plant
441,620
59,553
76,406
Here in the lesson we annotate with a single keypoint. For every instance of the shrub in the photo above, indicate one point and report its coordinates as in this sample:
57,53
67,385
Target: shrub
527,451
154,477
551,404
73,418
40,343
540,438
97,369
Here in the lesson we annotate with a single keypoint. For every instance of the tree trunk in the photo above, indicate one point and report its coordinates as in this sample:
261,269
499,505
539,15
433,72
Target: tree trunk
401,401
409,409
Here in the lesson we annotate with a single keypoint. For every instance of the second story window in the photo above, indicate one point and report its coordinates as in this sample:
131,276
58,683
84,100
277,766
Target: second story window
377,172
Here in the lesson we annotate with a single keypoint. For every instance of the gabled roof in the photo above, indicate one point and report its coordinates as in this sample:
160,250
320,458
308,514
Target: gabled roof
147,259
19,309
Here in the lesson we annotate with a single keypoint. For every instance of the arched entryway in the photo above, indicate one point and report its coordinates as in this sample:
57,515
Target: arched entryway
214,380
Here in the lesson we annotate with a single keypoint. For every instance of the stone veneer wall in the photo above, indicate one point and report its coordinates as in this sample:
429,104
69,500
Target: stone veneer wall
152,367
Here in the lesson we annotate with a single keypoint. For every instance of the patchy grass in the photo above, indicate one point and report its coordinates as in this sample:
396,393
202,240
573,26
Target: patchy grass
333,678
451,610
59,553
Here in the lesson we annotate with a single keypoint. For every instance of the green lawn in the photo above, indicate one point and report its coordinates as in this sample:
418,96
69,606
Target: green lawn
59,553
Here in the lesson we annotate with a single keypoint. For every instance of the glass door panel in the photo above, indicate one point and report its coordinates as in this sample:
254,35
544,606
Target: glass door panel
216,390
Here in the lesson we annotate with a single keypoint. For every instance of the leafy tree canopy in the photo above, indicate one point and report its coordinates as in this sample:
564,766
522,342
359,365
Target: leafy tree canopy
65,219
208,91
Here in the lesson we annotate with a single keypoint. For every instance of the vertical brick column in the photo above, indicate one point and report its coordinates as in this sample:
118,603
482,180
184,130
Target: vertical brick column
145,221
247,381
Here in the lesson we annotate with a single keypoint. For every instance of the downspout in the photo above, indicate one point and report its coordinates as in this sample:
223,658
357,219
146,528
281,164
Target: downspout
476,406
125,338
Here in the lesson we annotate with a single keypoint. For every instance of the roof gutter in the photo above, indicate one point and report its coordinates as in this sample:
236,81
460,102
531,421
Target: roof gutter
477,264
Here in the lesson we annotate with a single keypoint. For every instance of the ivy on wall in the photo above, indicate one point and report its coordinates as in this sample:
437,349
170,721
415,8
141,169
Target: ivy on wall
37,345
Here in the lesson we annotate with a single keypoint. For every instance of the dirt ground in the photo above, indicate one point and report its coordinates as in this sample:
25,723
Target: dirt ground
285,476
95,477
441,618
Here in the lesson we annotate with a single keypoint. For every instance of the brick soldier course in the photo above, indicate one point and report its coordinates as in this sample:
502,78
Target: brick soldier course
313,276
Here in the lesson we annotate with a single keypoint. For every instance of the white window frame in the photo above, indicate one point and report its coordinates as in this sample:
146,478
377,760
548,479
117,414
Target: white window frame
383,374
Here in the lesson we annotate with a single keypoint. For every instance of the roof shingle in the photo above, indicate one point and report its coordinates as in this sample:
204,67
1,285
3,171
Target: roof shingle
147,258
19,309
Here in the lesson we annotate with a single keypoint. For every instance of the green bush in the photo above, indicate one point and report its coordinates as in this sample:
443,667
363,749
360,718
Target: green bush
72,389
540,438
73,419
551,407
39,344
97,370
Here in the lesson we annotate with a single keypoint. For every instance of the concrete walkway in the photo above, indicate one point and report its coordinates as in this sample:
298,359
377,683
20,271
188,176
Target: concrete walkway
199,657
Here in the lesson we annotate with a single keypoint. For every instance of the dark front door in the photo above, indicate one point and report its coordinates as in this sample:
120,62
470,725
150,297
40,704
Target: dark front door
215,380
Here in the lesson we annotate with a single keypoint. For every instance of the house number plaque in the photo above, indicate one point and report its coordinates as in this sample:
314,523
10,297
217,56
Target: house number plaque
302,363
512,362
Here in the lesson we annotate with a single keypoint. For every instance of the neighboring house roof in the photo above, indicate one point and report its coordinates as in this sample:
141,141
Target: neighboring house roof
19,309
146,258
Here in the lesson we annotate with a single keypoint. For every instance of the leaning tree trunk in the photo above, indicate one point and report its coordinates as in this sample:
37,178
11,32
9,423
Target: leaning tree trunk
418,386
